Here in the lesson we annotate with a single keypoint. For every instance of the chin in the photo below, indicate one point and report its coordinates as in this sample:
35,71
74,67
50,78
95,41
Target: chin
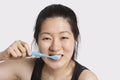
56,66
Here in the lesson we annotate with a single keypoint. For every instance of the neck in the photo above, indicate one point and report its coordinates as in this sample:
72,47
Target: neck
67,70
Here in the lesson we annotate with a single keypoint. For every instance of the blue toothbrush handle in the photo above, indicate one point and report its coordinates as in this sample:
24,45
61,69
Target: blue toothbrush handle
38,54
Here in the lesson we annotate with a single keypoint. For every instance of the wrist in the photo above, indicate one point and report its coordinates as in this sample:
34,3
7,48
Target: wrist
1,57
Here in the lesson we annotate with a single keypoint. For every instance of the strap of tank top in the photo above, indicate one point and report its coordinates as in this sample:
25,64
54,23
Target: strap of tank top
36,75
77,71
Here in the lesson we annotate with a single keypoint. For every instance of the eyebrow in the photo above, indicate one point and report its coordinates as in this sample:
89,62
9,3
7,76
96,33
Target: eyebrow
44,33
59,33
65,32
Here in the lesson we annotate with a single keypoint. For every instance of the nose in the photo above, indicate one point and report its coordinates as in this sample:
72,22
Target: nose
55,45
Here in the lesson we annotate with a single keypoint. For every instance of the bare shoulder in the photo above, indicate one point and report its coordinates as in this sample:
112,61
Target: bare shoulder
87,75
14,68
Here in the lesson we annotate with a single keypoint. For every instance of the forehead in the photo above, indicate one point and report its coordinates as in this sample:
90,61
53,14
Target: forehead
55,25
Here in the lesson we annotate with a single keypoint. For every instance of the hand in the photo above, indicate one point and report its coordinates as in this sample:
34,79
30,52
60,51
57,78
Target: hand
18,49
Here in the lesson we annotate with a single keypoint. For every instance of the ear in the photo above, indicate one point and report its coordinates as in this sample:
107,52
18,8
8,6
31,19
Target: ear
75,43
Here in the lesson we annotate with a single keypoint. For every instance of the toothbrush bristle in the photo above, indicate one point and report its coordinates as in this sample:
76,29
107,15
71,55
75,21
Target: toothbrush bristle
56,57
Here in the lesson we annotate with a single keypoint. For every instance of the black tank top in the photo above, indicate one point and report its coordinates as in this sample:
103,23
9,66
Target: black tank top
36,75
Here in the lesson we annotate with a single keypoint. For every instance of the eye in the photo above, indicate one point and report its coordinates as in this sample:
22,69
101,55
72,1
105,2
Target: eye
46,38
64,38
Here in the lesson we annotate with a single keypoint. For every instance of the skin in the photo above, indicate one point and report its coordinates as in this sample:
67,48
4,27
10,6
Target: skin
55,38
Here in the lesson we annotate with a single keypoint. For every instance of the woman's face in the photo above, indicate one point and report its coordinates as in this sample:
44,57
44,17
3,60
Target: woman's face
56,38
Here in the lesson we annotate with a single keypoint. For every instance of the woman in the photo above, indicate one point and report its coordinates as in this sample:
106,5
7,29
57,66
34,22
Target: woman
56,33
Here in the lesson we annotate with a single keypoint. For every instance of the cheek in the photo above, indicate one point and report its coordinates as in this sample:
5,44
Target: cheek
69,47
43,46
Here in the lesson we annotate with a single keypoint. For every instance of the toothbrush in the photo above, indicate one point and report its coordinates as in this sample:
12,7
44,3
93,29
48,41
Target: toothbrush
38,54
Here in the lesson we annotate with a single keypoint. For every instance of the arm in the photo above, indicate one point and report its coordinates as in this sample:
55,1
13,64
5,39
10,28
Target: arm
9,68
2,56
87,75
16,50
7,71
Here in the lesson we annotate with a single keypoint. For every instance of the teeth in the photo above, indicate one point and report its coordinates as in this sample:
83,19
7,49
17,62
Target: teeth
55,54
50,54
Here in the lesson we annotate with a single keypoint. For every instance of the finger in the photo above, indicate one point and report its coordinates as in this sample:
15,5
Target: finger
17,51
12,52
24,54
21,48
26,46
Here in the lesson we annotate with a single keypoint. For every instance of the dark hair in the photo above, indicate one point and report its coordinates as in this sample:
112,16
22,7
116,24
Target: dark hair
58,10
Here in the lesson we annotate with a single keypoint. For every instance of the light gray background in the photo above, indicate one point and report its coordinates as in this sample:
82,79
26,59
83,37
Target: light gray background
99,23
